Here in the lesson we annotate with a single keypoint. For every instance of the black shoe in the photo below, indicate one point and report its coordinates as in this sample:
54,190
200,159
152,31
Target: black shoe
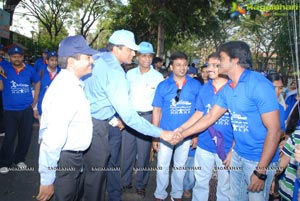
129,186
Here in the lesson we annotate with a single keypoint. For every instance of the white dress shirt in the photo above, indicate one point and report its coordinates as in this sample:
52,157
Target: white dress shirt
142,88
66,123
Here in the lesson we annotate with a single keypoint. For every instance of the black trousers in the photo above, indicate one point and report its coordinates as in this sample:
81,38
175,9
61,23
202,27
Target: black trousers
2,125
16,122
114,174
68,173
95,163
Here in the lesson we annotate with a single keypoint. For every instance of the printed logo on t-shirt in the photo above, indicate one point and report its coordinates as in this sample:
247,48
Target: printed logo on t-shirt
19,88
224,120
180,107
239,123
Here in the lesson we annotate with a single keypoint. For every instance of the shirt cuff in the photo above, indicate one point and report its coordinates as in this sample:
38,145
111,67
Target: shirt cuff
47,178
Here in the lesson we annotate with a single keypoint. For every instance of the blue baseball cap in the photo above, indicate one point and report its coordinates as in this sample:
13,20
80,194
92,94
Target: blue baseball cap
74,45
45,51
145,48
124,37
15,50
1,47
204,65
192,70
52,54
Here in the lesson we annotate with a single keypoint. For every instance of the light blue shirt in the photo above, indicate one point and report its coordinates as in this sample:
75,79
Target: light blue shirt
107,91
142,87
66,123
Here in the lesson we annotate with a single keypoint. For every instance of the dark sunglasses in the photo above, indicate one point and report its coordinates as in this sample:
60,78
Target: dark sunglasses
177,97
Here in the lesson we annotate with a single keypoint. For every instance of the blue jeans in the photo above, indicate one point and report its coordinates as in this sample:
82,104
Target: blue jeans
241,171
205,162
189,177
163,164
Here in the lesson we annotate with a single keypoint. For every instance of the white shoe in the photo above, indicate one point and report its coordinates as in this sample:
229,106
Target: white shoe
4,170
2,134
22,165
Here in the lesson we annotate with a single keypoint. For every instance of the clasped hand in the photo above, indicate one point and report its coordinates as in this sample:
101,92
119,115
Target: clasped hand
173,137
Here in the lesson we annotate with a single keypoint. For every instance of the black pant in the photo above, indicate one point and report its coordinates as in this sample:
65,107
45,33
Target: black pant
95,163
16,122
2,125
114,174
68,173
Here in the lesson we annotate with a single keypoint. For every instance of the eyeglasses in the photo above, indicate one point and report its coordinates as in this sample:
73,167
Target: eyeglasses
177,97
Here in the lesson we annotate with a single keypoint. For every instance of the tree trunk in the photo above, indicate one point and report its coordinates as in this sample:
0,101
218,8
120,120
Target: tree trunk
160,40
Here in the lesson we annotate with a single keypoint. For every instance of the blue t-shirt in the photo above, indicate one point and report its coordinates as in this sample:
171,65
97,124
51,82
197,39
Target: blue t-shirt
40,64
282,117
253,96
17,93
204,104
45,80
174,114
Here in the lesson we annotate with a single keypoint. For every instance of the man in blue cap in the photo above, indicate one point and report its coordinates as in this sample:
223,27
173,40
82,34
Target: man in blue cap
15,82
136,147
107,91
47,75
66,126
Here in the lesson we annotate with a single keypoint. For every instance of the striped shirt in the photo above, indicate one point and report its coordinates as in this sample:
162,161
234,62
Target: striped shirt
286,183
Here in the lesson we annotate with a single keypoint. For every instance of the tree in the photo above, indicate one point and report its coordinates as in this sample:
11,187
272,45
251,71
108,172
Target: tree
88,15
53,15
160,22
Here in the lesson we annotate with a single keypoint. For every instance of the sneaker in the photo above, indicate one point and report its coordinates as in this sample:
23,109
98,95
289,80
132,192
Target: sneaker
2,134
4,170
22,165
176,199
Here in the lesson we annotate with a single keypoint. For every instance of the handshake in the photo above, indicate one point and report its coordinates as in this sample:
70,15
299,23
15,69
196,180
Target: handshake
173,137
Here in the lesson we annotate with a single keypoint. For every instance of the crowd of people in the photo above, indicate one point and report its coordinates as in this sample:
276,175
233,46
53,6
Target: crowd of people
101,117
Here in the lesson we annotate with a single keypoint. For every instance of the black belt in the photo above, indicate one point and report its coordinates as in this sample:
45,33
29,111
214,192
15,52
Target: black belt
144,113
110,118
73,152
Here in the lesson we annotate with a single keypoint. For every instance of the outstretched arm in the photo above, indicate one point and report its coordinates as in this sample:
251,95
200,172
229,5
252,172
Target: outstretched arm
214,114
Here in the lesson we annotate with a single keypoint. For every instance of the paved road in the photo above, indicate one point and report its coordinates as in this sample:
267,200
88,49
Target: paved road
23,185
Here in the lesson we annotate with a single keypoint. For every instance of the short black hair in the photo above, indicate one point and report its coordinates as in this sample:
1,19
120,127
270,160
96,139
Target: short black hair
238,49
213,55
156,60
177,55
274,77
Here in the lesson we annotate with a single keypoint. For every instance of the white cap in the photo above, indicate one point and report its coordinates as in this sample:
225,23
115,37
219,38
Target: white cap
124,37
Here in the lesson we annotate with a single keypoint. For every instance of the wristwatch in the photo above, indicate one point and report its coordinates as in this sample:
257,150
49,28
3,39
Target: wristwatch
260,176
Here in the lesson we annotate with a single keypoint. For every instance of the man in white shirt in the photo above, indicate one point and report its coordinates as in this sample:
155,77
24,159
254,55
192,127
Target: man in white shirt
66,123
143,81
